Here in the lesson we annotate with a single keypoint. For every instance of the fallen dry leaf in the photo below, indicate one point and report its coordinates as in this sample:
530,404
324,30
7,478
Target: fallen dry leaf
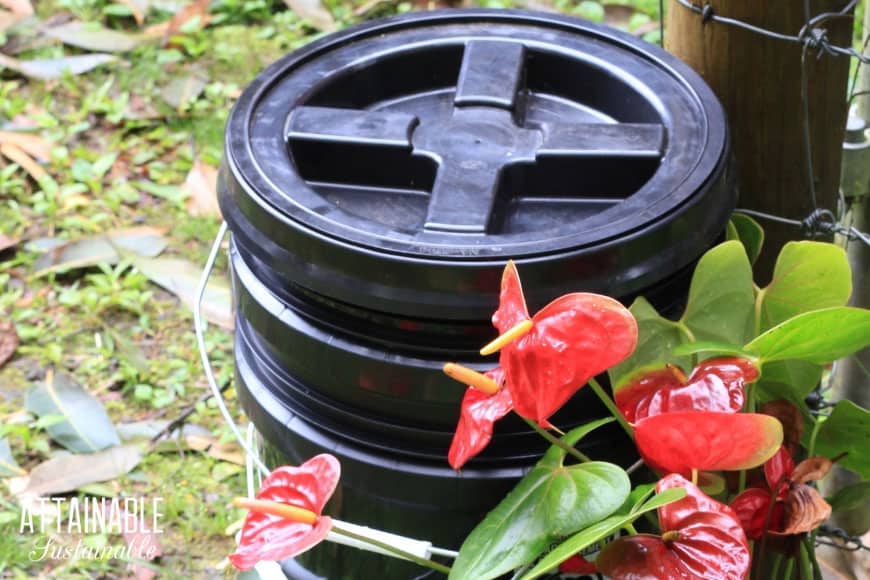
33,145
68,472
181,277
8,19
314,12
8,341
55,68
92,36
27,163
229,452
201,189
7,242
18,7
139,9
197,10
181,90
105,248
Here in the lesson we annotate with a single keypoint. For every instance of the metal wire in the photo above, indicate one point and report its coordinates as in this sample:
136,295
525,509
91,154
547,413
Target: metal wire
820,221
810,35
198,327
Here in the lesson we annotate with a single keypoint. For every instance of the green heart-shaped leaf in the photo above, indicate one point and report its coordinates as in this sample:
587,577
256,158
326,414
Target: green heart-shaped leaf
819,337
847,430
745,229
551,501
807,276
599,531
721,301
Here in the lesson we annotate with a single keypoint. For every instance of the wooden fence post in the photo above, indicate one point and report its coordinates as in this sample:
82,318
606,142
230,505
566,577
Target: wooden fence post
758,80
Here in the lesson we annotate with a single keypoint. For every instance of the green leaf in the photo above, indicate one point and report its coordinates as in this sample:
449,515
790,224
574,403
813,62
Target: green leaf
181,277
788,379
750,234
598,532
657,337
847,430
720,348
8,465
721,301
851,497
820,336
807,276
550,501
86,427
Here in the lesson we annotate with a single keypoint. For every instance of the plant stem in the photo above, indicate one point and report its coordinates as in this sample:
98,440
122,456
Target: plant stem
789,568
811,449
774,569
630,529
556,441
611,406
694,476
806,568
392,550
741,481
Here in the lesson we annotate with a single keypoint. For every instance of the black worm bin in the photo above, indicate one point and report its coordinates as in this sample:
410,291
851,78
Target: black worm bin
376,182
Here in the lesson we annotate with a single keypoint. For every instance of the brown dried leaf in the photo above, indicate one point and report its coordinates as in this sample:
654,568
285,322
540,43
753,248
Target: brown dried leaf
17,155
792,422
33,145
229,452
92,36
197,10
811,469
314,12
62,255
7,242
18,7
8,341
201,189
68,472
181,90
139,9
805,510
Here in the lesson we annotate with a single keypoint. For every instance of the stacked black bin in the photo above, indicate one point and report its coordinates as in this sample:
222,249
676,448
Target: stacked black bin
376,182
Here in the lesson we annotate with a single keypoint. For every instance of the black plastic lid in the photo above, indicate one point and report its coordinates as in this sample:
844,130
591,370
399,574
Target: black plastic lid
397,165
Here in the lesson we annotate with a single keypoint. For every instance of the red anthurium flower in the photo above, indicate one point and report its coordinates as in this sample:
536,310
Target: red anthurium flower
571,340
479,411
797,507
707,441
701,538
285,519
715,385
577,564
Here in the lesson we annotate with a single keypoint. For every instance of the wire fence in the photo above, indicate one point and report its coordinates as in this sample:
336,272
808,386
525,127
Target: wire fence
821,221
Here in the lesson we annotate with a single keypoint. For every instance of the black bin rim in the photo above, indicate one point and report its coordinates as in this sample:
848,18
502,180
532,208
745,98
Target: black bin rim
267,178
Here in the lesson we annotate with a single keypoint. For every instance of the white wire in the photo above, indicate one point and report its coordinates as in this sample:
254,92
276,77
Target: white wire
252,458
203,353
